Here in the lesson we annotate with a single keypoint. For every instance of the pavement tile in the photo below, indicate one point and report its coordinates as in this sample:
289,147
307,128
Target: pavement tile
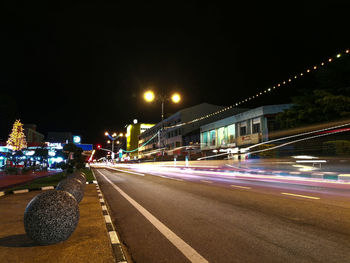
89,242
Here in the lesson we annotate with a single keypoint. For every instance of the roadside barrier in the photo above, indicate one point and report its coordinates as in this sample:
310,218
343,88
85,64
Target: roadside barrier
51,217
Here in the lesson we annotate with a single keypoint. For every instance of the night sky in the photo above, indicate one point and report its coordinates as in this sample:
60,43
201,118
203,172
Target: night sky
83,67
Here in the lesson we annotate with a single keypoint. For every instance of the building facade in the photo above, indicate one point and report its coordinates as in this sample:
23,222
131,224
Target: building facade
169,139
132,137
32,135
243,129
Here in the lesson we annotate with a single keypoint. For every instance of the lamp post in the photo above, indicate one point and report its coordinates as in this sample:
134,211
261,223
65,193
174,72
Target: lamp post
149,97
112,138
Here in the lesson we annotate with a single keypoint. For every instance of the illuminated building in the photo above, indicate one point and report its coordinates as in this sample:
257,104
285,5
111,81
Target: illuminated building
175,141
132,137
246,128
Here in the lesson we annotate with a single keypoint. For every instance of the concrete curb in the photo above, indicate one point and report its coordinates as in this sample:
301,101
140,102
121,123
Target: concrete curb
113,236
44,188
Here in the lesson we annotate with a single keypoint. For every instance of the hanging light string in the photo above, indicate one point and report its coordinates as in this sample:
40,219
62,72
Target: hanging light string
274,87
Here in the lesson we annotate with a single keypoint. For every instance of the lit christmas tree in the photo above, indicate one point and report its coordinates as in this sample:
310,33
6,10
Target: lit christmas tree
17,139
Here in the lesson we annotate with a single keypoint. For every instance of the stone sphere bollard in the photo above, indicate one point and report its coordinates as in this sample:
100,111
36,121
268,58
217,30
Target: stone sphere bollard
51,217
79,176
72,186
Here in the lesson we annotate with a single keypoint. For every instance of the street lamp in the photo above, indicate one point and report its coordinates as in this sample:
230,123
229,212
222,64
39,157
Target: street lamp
112,138
149,97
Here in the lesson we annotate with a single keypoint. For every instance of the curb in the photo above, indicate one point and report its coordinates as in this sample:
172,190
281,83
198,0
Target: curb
44,188
113,236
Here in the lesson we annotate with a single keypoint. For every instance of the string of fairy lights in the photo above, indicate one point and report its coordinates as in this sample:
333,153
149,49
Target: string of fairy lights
268,90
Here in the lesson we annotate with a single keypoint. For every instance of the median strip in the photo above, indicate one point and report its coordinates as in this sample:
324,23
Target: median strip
303,196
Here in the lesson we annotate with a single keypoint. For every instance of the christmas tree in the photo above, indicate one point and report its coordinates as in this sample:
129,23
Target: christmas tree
17,139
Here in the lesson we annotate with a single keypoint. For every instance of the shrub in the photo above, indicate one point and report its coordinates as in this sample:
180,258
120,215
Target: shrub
265,154
11,170
336,148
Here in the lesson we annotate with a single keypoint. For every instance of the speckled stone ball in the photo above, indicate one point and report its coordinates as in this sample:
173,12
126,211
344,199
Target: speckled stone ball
79,176
72,186
51,217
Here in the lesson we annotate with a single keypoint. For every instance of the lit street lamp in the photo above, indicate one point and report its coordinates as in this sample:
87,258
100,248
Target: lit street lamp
112,138
149,97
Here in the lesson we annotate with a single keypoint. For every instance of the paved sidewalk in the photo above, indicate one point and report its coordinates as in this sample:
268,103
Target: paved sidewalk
89,242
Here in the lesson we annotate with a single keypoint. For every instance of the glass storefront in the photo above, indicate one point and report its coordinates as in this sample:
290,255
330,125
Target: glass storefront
231,133
212,137
222,136
205,139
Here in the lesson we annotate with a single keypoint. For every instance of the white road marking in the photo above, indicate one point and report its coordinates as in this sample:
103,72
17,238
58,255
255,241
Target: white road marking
104,208
114,238
295,173
205,181
108,219
124,171
47,187
243,187
304,196
21,191
181,245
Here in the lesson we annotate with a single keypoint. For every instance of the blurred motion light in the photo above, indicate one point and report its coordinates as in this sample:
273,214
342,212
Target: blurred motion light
135,121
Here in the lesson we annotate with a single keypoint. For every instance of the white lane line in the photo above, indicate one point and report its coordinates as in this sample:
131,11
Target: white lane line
181,245
295,173
238,186
126,171
205,181
104,207
304,196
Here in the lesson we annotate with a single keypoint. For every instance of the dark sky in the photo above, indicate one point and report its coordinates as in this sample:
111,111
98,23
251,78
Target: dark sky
83,67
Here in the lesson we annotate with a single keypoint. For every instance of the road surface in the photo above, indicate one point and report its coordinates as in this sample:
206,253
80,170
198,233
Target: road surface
183,216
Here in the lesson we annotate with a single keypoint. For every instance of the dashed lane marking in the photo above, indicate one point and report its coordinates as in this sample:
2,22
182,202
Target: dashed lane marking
181,245
303,196
243,187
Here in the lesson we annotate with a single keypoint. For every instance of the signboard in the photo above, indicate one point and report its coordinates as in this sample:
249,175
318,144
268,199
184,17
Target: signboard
76,139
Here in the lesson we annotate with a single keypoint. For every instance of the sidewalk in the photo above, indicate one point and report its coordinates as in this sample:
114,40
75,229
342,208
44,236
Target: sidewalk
89,242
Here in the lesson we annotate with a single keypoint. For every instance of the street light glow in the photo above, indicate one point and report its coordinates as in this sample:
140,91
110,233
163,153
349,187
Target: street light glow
108,141
106,133
149,96
175,98
114,134
121,134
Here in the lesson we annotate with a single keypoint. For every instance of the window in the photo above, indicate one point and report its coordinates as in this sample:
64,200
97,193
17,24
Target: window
205,138
222,136
243,131
231,133
256,128
178,144
256,125
242,128
212,137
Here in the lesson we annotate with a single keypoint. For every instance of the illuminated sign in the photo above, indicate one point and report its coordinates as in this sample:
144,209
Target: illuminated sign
76,139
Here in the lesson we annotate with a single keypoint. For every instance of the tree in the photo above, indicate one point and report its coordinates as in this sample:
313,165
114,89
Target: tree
17,140
328,100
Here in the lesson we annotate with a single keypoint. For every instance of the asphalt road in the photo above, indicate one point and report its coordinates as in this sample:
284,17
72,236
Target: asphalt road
170,216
